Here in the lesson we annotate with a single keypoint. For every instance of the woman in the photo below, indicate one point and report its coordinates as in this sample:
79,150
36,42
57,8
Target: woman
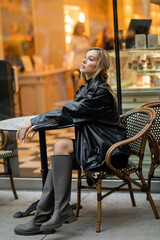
77,50
78,46
96,119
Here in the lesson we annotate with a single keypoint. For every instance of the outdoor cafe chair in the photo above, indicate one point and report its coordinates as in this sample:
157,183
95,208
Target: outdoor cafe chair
154,141
5,156
137,122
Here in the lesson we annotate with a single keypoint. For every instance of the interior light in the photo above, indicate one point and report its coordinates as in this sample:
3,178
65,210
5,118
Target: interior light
137,16
68,39
128,8
71,8
68,28
68,18
153,13
82,17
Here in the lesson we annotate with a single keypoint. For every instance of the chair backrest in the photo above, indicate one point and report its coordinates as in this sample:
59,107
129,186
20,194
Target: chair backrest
137,123
155,129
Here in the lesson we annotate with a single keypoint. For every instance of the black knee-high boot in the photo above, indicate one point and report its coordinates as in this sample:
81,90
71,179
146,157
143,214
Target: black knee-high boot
62,175
44,212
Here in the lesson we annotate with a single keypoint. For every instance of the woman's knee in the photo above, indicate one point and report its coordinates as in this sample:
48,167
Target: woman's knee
63,146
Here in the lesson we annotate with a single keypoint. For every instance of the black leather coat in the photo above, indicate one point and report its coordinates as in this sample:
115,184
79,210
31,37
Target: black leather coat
96,119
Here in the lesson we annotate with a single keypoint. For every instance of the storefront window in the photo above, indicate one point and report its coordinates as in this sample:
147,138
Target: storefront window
139,33
45,41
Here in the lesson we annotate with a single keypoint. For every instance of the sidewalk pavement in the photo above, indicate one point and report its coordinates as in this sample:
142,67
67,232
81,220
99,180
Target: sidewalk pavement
120,221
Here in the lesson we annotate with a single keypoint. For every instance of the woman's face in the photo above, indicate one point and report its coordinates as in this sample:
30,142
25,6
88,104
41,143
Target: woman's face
89,64
80,30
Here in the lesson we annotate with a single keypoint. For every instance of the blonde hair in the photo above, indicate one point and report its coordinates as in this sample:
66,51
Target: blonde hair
103,63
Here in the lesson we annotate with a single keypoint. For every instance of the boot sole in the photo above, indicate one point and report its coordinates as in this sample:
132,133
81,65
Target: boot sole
49,229
28,233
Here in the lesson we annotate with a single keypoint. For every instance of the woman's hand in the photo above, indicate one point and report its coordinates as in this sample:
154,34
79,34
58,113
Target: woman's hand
23,132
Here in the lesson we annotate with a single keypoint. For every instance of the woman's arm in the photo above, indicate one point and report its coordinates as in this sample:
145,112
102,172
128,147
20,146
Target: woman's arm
89,108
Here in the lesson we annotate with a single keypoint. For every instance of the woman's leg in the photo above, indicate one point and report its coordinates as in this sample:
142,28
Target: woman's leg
62,165
63,147
44,211
45,206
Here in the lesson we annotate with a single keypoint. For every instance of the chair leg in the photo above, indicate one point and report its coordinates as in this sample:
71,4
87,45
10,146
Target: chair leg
11,178
152,204
150,175
146,189
78,193
99,198
149,183
131,194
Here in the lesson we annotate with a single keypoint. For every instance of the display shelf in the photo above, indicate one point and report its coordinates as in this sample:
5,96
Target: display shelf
140,49
142,71
139,68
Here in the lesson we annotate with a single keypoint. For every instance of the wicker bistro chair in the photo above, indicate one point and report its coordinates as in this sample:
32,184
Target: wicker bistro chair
5,160
154,141
137,122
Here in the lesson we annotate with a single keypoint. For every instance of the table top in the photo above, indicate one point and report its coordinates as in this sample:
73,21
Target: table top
12,124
